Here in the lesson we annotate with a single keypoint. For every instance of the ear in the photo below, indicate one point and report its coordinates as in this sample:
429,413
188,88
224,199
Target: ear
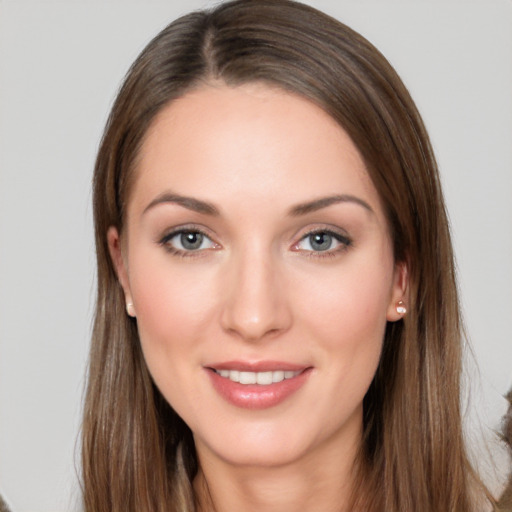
399,298
116,253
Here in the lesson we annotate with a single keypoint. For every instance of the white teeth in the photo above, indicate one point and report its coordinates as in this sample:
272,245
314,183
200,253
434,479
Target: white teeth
247,378
261,378
264,378
278,376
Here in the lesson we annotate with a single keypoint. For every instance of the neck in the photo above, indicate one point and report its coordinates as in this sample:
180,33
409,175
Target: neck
319,483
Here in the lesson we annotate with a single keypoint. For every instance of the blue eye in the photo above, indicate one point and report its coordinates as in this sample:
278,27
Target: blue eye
191,241
323,241
187,241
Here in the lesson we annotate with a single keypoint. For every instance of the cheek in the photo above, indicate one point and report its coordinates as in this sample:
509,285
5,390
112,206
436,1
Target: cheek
346,315
174,309
347,320
174,304
351,302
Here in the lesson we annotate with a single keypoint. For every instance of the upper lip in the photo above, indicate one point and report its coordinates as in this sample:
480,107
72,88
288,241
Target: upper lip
257,366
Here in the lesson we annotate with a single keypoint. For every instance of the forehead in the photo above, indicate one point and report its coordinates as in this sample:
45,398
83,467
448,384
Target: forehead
250,141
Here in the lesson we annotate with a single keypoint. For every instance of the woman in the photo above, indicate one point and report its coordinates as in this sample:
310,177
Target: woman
277,325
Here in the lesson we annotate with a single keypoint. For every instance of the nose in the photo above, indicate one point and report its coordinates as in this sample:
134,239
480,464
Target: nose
255,302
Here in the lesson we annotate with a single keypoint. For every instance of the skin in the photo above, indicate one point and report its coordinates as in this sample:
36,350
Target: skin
257,290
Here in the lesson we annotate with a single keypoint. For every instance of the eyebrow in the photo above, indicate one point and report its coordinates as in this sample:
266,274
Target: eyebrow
324,202
190,203
206,208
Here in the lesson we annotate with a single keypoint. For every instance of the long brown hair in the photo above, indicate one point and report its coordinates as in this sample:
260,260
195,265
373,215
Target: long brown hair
138,455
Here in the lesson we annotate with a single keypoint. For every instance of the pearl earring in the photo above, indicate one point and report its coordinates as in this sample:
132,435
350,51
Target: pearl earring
400,307
129,309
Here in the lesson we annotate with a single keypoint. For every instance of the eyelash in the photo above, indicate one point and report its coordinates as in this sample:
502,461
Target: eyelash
165,242
344,241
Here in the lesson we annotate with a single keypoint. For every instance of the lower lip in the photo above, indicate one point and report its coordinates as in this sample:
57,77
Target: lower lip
255,396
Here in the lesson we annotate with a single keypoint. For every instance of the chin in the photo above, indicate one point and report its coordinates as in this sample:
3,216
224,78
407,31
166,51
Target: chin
266,455
265,444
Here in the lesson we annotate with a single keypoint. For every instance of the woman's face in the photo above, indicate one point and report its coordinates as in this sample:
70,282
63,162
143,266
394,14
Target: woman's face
259,264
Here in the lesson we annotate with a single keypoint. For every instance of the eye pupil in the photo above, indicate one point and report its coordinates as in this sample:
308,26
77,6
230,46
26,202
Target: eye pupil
191,240
320,241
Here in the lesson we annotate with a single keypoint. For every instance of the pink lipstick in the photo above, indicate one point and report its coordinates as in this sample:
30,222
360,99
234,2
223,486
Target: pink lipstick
257,385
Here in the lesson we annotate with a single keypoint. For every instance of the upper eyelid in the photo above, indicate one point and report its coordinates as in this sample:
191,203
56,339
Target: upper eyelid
299,235
340,235
165,241
324,229
187,228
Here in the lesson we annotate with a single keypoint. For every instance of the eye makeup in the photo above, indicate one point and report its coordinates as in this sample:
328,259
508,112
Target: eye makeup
193,241
187,241
322,242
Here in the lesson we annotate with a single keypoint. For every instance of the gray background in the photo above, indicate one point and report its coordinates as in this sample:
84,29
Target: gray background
60,65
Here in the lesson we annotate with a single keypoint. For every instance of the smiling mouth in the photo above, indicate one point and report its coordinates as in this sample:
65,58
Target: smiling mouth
257,385
261,378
